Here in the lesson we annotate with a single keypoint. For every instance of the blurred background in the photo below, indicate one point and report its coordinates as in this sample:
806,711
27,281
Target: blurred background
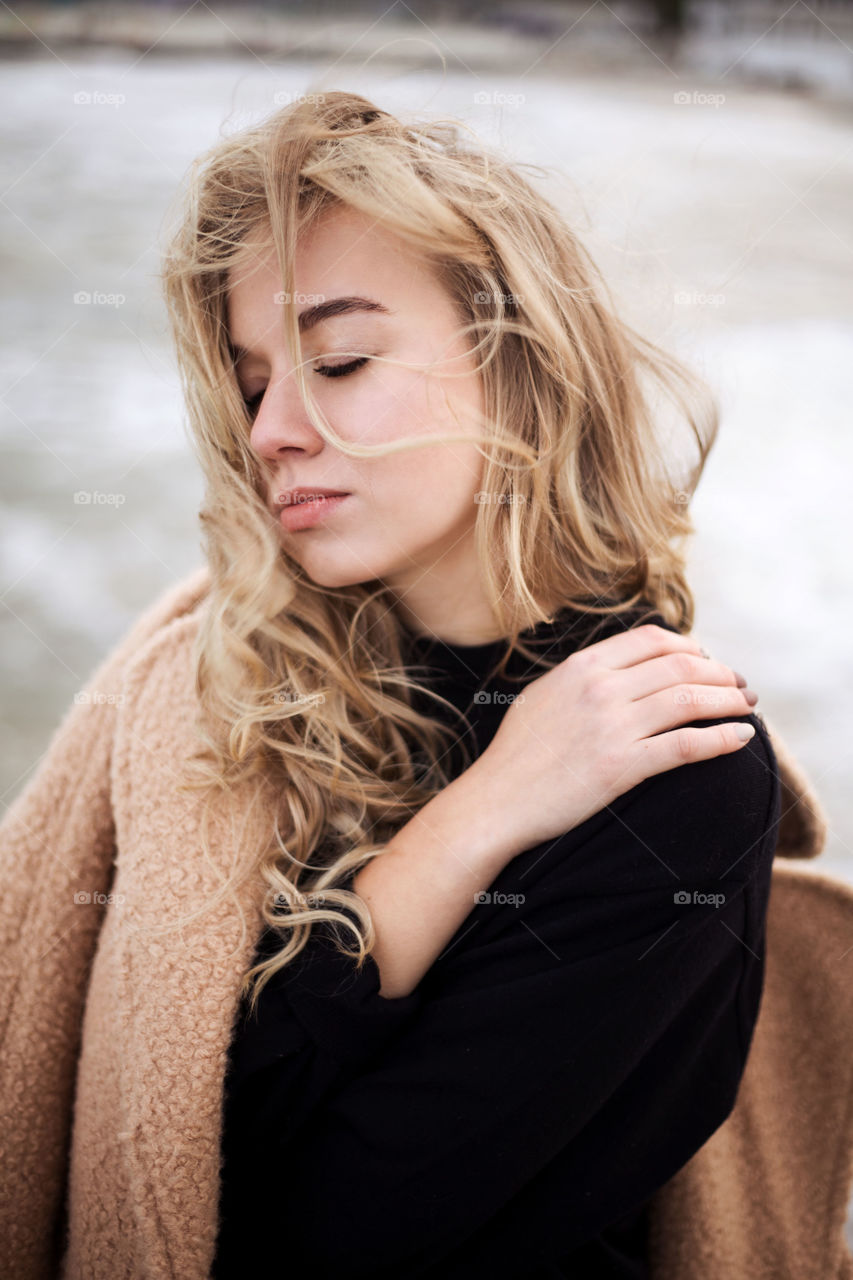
704,151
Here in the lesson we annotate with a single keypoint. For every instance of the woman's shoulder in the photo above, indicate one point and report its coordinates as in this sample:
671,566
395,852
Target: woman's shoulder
716,817
694,826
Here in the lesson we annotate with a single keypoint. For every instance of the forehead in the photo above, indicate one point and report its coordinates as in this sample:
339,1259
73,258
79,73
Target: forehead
343,253
338,241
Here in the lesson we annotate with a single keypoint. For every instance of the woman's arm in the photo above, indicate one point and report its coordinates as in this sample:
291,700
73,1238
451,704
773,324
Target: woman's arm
589,730
426,880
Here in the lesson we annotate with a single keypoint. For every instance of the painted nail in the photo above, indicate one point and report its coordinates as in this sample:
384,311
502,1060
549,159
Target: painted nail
751,697
740,679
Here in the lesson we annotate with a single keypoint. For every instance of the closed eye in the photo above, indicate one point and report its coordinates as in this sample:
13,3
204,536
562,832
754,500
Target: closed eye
253,403
341,370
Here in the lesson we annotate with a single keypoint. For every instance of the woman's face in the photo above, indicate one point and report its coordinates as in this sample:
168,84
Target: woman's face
409,517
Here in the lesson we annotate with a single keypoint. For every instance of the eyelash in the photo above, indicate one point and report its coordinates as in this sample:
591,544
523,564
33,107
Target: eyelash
326,371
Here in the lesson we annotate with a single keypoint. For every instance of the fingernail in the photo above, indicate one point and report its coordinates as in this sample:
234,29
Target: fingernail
740,679
745,731
751,697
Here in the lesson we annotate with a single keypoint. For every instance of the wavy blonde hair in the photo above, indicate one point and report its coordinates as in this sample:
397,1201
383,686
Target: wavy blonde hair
307,685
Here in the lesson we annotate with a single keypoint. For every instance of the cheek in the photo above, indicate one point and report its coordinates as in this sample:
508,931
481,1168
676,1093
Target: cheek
393,402
426,491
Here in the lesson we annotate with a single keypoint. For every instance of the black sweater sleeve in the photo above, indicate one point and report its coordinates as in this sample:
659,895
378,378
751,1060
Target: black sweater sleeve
317,1021
582,1035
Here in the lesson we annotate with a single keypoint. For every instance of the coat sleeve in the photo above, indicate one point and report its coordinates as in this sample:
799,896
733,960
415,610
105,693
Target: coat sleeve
56,856
581,1037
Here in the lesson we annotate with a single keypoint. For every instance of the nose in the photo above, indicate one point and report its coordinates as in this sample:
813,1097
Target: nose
282,422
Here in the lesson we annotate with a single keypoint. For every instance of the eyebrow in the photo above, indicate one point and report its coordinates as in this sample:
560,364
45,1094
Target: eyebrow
322,311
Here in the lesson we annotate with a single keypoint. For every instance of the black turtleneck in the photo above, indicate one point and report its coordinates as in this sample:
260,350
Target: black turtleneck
582,1034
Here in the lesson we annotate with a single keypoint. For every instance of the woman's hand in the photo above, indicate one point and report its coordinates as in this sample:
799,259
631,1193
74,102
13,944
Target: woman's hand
599,723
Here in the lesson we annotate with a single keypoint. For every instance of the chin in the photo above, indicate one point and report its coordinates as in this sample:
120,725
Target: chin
325,571
338,562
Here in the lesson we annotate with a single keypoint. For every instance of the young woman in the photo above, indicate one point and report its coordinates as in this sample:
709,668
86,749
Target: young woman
510,949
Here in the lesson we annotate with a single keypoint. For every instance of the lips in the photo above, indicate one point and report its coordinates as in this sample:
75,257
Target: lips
315,510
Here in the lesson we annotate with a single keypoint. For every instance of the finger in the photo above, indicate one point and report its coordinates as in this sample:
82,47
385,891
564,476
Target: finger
672,707
638,644
689,744
673,669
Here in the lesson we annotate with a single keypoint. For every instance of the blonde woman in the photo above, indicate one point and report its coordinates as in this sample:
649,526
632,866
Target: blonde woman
514,870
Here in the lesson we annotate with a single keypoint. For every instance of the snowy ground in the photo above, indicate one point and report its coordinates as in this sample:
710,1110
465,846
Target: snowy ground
744,202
